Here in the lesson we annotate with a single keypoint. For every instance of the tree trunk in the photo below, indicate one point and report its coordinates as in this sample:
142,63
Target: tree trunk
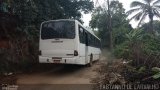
110,26
151,23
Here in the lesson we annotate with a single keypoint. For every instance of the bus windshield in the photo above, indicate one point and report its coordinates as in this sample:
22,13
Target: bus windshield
58,29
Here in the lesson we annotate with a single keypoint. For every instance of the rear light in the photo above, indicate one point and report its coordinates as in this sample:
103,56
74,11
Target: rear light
40,52
75,53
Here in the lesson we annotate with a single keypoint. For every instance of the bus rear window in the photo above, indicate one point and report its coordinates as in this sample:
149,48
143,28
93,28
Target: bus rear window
58,29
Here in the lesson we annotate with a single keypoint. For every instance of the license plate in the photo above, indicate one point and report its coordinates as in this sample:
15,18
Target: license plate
56,61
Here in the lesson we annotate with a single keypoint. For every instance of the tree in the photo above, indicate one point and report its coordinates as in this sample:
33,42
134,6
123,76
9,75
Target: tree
156,25
30,13
20,23
110,25
147,7
118,19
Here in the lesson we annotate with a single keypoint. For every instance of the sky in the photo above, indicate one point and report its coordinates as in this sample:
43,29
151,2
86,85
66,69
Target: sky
126,4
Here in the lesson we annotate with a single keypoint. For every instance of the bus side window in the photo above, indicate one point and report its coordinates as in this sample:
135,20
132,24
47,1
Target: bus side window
86,38
81,35
89,39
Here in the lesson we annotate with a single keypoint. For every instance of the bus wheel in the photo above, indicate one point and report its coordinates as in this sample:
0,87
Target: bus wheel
91,60
99,57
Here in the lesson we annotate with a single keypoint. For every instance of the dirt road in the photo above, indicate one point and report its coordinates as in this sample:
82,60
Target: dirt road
63,74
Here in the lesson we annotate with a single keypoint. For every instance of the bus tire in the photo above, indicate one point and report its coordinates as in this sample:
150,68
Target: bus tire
91,60
99,57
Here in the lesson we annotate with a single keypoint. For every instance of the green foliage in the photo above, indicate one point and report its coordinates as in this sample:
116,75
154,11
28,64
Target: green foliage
142,48
156,70
119,23
156,76
143,9
20,23
119,34
142,69
156,26
122,51
134,35
125,50
152,44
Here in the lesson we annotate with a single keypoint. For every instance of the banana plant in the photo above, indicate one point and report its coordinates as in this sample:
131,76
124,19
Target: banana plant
157,72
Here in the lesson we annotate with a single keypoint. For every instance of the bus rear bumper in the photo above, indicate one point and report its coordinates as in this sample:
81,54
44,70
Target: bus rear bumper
72,60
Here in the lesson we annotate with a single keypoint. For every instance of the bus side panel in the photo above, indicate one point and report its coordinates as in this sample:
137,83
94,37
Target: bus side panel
95,52
81,54
80,48
89,53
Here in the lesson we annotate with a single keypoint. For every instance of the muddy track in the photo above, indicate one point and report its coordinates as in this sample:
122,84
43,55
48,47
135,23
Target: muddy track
61,77
63,74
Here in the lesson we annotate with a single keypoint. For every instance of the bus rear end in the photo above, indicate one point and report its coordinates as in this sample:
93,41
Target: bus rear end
58,42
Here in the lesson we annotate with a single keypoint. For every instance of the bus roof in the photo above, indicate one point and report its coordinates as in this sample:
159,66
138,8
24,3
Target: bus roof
60,20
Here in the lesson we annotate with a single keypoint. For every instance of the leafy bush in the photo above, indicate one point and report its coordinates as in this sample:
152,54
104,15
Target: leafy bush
6,62
141,48
19,57
156,70
122,51
125,49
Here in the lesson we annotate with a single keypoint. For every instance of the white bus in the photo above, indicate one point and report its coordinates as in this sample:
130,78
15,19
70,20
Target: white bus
66,41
